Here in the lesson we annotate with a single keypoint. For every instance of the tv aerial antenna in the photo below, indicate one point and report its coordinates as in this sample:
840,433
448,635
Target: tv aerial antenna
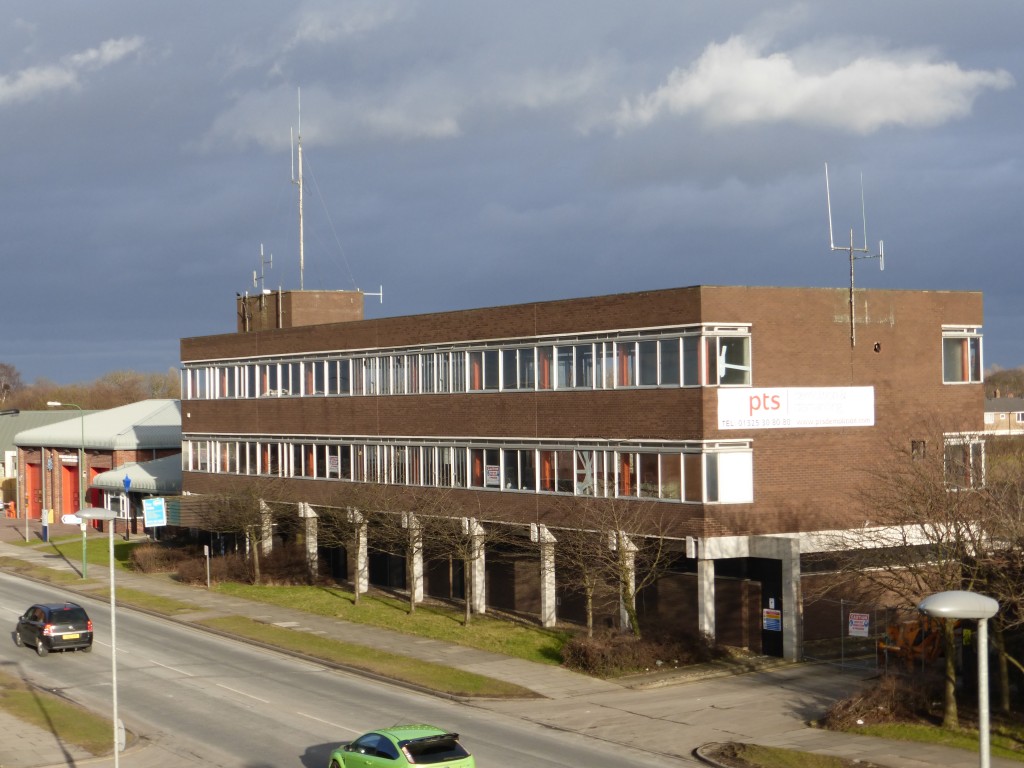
257,280
855,253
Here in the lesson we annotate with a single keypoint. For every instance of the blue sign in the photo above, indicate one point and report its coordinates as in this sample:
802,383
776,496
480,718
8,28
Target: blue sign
154,512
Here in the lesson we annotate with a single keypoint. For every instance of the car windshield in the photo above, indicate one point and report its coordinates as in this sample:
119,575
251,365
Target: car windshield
69,616
439,749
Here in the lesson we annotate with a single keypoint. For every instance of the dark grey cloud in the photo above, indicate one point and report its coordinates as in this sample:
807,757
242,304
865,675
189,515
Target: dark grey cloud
467,154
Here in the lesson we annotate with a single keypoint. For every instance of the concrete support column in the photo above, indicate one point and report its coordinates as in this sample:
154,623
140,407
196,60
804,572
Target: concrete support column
266,529
542,536
309,519
787,552
359,561
706,597
476,565
415,554
627,562
793,621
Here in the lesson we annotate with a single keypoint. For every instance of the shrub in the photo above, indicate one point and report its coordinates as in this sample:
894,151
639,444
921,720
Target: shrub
158,558
892,698
615,653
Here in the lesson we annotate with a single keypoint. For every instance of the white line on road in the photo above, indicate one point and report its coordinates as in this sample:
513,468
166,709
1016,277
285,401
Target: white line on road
328,722
243,693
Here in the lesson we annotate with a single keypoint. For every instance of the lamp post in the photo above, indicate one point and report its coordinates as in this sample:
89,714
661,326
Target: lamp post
95,513
959,604
81,470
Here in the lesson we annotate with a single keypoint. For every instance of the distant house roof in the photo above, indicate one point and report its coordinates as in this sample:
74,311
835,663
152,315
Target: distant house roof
15,423
1004,404
156,476
141,425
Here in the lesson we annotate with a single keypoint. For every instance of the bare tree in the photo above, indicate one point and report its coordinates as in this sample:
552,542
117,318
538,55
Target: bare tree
245,507
10,382
924,532
615,541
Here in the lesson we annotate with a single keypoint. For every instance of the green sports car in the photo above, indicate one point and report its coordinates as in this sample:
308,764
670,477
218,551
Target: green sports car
403,745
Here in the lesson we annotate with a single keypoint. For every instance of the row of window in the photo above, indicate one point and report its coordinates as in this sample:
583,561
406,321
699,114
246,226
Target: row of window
692,356
695,472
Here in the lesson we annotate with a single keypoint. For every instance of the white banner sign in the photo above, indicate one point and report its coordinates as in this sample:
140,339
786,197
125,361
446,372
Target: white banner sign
795,407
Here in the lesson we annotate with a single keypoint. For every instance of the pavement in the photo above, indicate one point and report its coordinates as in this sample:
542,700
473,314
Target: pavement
667,711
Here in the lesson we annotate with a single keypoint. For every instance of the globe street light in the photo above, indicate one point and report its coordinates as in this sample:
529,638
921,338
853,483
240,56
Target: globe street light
959,604
108,515
81,469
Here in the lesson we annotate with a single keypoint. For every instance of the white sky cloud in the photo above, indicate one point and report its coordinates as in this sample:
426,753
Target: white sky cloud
32,82
735,83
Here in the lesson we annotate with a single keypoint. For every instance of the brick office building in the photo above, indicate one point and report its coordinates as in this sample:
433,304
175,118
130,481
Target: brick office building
739,411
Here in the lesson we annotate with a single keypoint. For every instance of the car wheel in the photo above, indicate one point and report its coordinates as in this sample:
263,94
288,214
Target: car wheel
334,764
87,649
17,639
41,649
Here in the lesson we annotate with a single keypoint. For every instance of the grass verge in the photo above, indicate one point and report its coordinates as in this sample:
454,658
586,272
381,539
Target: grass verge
434,677
433,621
67,721
1006,740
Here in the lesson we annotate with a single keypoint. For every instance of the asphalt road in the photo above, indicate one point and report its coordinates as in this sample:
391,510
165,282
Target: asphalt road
218,702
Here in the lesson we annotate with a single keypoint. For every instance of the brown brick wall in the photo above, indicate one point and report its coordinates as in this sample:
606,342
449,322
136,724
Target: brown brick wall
804,479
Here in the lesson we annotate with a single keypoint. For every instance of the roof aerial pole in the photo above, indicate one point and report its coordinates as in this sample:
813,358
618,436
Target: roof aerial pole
298,181
853,250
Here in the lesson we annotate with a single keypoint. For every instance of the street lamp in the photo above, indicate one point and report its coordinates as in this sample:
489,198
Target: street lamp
959,604
96,513
81,469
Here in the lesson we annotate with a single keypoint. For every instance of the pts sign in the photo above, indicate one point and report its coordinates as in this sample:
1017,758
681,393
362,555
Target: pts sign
795,407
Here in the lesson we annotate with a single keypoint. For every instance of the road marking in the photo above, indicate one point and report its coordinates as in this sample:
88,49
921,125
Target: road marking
243,693
328,722
173,669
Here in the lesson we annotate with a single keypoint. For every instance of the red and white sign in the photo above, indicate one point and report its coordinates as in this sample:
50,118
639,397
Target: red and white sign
795,407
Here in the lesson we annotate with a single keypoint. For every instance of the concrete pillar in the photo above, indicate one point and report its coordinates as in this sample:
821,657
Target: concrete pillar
627,560
706,596
787,551
266,529
415,553
477,565
309,520
359,560
540,534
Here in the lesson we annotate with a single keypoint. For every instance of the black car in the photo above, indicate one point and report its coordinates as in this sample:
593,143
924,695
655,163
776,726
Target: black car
54,627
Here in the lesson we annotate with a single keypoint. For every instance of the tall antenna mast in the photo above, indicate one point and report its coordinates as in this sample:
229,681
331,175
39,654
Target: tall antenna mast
298,181
257,281
865,253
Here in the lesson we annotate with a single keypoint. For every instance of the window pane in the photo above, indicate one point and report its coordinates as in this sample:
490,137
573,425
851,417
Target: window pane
547,471
586,474
648,351
691,361
526,368
490,369
671,476
509,374
527,470
711,476
648,469
565,367
734,360
626,364
626,474
511,469
545,367
693,477
585,364
669,362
